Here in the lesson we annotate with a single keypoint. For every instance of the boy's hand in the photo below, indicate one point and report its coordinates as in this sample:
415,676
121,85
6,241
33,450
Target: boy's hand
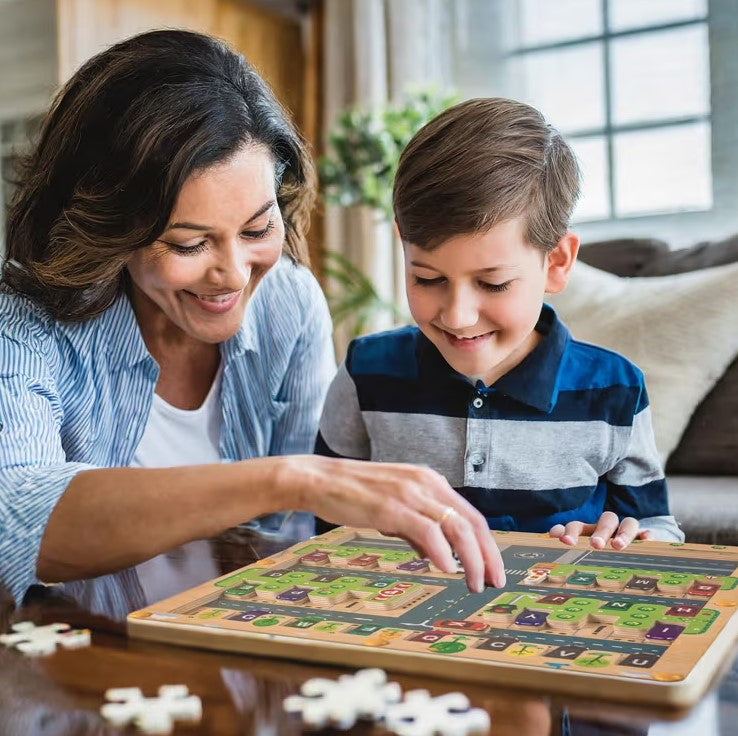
609,528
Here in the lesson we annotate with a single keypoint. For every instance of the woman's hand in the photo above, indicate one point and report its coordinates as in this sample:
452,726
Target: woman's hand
408,501
608,528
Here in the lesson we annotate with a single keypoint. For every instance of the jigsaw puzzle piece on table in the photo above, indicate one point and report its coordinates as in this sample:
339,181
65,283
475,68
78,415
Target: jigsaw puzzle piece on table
364,695
36,641
447,715
127,705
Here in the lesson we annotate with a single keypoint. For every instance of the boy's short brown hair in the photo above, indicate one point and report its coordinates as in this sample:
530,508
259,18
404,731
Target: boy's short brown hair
483,162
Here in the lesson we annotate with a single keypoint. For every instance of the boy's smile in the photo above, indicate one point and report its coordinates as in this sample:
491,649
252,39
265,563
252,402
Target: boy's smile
478,297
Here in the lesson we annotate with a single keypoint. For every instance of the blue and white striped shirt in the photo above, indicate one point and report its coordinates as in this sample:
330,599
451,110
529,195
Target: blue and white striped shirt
563,436
77,396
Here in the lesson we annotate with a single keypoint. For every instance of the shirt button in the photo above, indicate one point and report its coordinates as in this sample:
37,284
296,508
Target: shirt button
478,403
477,460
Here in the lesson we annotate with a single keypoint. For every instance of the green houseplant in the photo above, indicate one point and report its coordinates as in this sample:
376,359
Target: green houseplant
359,170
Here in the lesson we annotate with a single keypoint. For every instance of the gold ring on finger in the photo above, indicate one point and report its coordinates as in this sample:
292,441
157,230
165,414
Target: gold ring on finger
448,512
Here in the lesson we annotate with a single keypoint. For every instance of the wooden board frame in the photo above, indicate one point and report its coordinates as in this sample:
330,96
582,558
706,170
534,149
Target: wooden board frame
669,656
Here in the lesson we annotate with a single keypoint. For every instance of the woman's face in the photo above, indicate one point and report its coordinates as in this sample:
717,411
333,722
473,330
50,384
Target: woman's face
224,233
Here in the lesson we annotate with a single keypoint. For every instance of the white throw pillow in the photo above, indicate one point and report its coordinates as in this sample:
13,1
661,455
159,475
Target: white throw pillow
681,330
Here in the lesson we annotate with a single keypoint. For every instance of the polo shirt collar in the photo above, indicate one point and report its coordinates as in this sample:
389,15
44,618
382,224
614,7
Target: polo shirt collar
534,381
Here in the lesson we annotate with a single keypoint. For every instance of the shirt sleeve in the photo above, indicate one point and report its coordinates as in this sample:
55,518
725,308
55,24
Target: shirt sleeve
636,485
342,431
309,372
34,473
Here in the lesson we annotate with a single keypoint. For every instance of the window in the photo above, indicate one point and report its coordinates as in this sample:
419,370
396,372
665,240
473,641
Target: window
15,137
628,84
645,92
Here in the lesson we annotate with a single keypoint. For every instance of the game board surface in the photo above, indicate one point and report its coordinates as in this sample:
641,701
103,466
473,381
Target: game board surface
651,624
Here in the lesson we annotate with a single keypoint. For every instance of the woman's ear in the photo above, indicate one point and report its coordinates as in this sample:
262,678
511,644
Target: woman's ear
560,262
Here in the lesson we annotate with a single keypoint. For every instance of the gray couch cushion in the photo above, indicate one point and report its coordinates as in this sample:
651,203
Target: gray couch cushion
626,257
703,507
709,445
649,257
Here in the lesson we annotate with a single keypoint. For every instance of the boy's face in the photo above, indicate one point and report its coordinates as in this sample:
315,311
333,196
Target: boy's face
477,298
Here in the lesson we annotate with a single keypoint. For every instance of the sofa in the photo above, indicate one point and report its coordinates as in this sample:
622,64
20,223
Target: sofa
675,313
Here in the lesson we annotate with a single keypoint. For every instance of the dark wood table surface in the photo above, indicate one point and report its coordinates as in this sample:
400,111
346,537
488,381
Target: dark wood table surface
62,693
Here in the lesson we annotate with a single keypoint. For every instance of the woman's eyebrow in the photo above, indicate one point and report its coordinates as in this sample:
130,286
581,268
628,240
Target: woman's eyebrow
193,226
264,208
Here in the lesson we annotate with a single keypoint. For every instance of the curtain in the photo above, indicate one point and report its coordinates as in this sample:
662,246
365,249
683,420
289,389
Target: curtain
374,51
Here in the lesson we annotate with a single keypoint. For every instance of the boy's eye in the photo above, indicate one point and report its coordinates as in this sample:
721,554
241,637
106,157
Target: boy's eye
429,282
494,287
420,281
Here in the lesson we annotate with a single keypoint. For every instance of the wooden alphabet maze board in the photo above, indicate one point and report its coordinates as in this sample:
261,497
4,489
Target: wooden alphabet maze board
651,624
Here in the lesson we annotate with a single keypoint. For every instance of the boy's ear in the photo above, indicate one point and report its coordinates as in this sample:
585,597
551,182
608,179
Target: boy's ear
560,262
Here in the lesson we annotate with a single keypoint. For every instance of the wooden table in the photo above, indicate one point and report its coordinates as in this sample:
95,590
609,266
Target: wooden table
62,693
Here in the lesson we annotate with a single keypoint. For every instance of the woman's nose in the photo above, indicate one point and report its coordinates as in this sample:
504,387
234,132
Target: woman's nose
232,263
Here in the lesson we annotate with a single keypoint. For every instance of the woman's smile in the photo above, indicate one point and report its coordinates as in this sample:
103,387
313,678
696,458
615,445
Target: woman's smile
215,303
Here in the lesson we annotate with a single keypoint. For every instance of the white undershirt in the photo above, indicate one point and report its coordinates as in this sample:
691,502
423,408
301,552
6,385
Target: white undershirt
174,437
181,436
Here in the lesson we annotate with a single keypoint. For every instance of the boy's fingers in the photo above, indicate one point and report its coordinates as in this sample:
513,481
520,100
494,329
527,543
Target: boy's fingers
645,534
572,531
626,533
606,527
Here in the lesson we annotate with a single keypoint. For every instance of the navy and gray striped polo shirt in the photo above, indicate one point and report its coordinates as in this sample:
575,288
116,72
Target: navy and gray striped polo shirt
563,436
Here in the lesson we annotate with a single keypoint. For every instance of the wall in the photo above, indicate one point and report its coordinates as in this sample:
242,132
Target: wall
272,43
42,43
28,66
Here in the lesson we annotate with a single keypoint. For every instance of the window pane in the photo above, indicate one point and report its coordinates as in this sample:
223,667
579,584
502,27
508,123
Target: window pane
543,21
626,14
594,201
660,75
663,170
566,85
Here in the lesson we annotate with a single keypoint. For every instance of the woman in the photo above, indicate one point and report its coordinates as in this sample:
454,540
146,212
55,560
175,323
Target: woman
150,394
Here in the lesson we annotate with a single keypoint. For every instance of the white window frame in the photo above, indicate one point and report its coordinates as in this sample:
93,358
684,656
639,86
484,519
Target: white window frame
610,129
482,41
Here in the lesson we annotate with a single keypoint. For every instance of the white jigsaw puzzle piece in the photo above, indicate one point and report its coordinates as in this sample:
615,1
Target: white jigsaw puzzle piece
151,715
37,641
364,695
447,715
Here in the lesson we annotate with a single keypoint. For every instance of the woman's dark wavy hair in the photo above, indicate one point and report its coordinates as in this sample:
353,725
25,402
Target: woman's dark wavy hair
116,147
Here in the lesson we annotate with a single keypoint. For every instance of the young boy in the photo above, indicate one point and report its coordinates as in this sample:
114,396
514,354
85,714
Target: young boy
538,431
